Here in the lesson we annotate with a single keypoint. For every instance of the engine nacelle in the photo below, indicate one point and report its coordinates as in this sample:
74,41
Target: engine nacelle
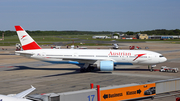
106,66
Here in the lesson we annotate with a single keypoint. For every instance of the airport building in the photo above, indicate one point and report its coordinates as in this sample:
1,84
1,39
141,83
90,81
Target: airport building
145,36
100,37
138,36
116,35
164,37
142,36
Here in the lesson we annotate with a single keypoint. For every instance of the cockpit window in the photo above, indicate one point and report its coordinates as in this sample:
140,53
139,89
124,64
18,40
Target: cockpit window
161,56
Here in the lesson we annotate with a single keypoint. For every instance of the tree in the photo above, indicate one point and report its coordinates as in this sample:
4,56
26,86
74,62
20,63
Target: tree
130,33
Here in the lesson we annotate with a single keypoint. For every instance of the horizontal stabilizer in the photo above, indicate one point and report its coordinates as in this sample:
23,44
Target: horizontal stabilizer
23,53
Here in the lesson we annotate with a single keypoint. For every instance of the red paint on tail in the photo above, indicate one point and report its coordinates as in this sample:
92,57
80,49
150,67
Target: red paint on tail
31,46
19,28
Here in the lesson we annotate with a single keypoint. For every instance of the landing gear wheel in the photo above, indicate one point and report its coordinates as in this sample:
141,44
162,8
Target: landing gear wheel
89,69
83,70
152,97
151,69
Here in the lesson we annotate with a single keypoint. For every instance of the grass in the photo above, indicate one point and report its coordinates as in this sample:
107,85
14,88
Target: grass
7,44
88,44
44,40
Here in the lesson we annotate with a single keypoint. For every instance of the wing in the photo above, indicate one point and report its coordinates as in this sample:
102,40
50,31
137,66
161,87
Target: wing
24,93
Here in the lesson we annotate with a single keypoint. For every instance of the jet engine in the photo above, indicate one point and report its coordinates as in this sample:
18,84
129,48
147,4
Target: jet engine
105,65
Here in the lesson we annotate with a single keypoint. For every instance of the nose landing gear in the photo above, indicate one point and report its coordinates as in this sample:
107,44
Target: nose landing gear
151,67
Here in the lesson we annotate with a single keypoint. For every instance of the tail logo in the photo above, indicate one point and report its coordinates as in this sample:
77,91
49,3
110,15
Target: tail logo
23,36
138,55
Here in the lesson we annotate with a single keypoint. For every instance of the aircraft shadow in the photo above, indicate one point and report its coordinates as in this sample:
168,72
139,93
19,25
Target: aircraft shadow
99,72
69,73
31,68
130,69
75,70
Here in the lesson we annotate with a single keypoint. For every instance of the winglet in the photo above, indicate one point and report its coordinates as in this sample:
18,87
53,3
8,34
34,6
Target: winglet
24,93
32,86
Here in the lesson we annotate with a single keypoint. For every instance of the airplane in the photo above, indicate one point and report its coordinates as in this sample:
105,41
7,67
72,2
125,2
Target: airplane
86,59
115,46
17,97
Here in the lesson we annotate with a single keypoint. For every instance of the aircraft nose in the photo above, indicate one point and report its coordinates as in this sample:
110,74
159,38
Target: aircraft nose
163,59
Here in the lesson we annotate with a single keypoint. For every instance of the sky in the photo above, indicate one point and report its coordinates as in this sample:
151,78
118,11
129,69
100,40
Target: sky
90,15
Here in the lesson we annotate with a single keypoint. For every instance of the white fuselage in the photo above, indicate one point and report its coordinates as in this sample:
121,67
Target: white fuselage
119,57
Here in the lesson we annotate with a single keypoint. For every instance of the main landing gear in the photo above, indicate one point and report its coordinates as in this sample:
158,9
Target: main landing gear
87,68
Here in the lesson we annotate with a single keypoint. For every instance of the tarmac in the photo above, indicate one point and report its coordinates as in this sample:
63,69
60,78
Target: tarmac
18,73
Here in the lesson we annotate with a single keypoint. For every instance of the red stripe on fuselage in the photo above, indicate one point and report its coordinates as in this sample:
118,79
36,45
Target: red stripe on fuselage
139,55
19,28
31,46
